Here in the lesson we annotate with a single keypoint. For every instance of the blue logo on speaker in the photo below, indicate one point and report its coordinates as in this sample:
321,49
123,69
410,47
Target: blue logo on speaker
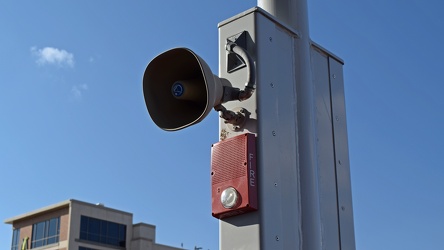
177,89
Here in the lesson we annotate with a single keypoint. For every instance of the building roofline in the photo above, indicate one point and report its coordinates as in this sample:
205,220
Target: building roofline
46,209
57,206
144,224
101,205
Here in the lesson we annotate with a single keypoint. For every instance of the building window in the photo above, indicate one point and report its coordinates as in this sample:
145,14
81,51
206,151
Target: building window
45,232
102,231
15,239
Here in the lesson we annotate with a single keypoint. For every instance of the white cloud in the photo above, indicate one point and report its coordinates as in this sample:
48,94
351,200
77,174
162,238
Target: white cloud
49,55
77,90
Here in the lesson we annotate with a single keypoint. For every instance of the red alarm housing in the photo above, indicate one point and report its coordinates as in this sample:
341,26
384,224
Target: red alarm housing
234,176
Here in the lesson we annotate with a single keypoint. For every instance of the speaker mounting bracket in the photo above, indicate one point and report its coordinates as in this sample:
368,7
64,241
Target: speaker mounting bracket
235,119
242,117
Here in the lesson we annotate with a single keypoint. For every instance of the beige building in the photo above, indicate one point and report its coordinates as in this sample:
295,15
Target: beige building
77,225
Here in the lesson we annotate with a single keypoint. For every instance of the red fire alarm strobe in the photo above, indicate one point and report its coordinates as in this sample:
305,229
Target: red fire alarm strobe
234,176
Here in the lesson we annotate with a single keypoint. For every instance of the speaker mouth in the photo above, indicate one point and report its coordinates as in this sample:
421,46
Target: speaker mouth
176,91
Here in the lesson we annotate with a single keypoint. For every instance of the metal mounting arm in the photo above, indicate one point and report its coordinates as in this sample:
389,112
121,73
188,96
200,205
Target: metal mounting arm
230,117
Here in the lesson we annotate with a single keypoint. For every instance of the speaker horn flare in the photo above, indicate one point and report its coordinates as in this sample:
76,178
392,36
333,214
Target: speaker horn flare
180,89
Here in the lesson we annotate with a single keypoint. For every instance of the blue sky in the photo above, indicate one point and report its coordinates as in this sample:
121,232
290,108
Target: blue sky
74,122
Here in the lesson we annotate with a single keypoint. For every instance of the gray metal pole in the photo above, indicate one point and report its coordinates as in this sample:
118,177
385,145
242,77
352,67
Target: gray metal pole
303,170
295,14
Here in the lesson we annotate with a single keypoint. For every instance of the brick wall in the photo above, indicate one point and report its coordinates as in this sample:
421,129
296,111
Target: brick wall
25,224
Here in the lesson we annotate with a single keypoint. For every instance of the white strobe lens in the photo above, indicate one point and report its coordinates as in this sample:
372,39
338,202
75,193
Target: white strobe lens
229,197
